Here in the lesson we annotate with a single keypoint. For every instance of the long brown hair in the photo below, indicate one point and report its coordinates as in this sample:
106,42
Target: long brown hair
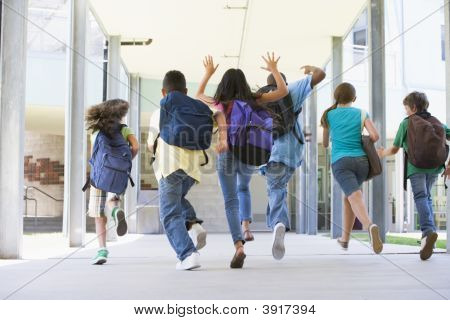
106,116
343,94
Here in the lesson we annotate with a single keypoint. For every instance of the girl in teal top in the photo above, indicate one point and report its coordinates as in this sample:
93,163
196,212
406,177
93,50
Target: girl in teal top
350,165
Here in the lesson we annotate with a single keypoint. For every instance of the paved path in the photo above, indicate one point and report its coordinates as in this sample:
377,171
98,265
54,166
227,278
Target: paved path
143,267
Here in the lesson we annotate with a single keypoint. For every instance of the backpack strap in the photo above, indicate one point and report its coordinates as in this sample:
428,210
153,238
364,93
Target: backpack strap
131,181
155,145
87,184
206,159
294,130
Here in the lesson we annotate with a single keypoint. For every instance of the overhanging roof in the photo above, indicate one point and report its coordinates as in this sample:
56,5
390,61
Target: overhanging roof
183,31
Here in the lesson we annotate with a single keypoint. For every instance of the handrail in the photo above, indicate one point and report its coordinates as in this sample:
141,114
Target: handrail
26,198
43,192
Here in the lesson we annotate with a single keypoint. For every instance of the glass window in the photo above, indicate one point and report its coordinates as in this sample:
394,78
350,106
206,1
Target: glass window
47,30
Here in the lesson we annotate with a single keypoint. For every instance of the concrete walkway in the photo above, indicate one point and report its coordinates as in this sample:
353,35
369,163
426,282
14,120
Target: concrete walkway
143,267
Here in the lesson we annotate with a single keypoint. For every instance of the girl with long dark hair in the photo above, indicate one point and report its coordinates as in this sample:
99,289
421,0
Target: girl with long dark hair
234,176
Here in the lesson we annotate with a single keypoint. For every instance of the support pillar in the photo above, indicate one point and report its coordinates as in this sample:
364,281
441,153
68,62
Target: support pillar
399,193
113,90
75,133
302,209
447,86
13,55
134,123
336,191
377,98
311,176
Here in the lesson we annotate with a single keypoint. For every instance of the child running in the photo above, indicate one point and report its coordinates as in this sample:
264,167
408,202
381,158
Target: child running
108,133
231,171
423,138
349,162
181,132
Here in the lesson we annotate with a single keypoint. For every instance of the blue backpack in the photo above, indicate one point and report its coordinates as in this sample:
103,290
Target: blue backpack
110,163
185,122
250,133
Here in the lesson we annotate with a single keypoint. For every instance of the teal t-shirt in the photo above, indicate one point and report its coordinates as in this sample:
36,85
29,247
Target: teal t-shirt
345,132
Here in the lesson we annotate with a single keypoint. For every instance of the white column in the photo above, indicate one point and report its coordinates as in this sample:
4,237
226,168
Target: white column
377,92
311,177
114,63
302,208
336,191
13,55
134,123
399,193
113,89
75,133
447,77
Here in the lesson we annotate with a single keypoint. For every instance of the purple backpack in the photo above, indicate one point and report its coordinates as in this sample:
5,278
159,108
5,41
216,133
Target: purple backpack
250,133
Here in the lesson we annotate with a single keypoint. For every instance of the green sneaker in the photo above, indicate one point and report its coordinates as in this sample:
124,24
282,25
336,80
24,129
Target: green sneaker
119,218
101,257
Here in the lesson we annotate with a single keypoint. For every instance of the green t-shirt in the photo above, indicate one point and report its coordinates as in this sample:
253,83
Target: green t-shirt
400,141
126,131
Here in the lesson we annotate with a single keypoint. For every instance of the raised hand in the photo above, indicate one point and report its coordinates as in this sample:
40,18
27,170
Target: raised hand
208,63
271,62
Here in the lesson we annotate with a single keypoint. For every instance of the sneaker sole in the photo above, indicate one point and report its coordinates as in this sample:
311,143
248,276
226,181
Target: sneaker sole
238,262
427,250
99,262
188,269
201,240
278,249
122,227
377,244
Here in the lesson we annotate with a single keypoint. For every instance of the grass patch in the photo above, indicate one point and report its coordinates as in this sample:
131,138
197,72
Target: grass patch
440,244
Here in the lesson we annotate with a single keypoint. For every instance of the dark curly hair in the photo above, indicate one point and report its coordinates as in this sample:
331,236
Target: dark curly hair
106,116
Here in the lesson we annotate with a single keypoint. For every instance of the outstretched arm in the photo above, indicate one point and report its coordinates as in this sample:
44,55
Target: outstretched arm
387,152
282,89
317,74
208,63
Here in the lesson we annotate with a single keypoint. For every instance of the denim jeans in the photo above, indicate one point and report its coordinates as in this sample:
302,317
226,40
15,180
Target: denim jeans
421,184
234,178
278,175
175,210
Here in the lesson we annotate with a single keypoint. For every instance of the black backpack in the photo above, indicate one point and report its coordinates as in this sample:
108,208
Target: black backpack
283,115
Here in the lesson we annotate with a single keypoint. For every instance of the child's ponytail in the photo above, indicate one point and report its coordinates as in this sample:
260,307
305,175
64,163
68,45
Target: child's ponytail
324,120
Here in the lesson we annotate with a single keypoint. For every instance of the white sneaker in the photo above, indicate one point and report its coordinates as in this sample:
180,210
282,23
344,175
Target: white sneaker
198,235
189,263
278,248
427,245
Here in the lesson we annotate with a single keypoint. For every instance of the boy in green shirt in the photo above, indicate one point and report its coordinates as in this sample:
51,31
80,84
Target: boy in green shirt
422,180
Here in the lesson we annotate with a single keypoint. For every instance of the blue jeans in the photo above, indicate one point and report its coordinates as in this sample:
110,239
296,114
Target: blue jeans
278,175
175,210
421,184
234,178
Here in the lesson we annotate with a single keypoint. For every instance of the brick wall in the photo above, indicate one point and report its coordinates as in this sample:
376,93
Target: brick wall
44,169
